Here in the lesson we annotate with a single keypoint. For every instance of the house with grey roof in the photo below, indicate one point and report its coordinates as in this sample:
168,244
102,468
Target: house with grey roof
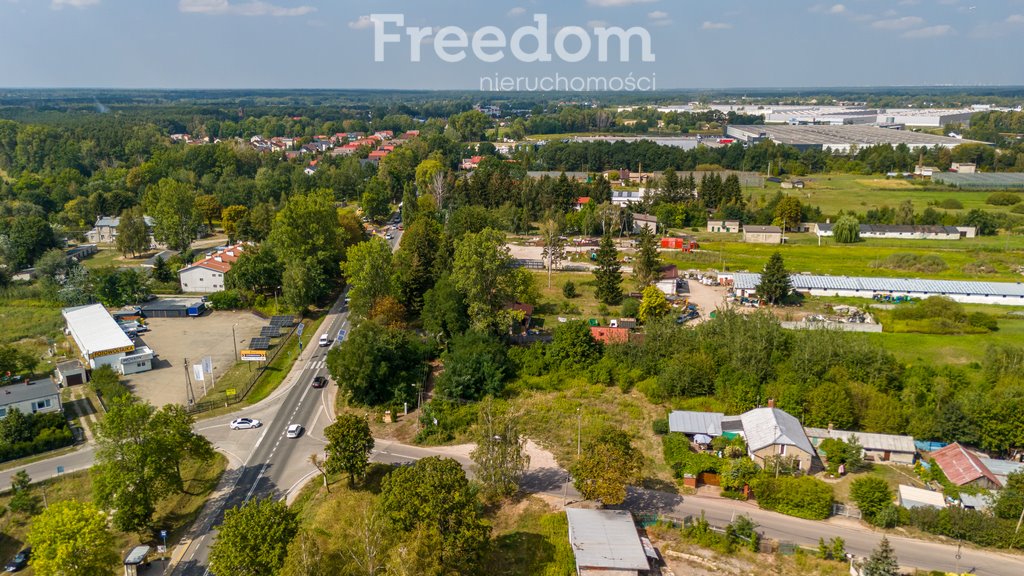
30,397
876,447
772,432
105,229
606,543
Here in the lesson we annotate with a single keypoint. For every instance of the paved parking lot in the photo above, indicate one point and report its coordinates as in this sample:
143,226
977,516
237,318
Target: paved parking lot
174,339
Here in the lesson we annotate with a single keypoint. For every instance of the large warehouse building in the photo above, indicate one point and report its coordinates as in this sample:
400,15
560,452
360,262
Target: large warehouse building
1005,293
839,138
103,343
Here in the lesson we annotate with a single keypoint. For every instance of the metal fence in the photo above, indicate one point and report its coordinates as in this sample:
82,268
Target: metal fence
207,405
847,510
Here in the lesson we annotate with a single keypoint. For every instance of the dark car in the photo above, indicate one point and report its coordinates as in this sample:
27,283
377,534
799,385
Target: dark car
319,382
19,561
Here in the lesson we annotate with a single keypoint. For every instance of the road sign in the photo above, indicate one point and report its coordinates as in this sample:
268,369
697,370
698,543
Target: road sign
254,355
342,334
230,392
163,533
197,372
161,549
60,469
208,364
300,328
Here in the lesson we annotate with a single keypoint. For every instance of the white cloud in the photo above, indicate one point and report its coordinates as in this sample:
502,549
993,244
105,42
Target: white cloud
253,8
517,11
837,9
361,23
826,9
614,3
1015,19
658,15
930,31
715,26
58,4
898,23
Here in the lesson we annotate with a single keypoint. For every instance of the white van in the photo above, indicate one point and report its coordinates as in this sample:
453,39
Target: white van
324,340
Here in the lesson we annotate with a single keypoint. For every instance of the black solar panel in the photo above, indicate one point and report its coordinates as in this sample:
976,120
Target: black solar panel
259,343
283,321
270,332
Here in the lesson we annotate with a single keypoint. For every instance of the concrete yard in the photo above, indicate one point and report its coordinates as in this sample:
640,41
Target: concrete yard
174,339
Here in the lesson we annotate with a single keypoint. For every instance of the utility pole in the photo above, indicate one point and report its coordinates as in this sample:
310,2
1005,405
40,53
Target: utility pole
579,431
234,340
189,394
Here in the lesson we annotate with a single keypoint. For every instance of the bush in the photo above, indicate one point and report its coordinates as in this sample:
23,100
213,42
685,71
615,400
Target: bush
49,431
803,497
1018,209
228,300
982,320
660,426
1003,199
970,525
107,385
912,263
951,204
676,447
569,290
872,495
630,308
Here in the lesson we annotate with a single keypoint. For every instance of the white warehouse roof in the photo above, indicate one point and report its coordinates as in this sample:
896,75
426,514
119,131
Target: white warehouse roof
605,540
748,281
95,331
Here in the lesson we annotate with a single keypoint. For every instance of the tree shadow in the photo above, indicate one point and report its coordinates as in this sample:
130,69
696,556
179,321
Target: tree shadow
639,499
543,480
521,553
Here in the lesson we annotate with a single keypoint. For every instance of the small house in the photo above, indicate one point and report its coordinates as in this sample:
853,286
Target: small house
876,447
606,542
30,397
965,468
728,226
641,221
762,234
772,432
207,275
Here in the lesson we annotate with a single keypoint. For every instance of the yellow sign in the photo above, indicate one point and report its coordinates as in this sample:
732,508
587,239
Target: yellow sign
112,351
230,392
254,355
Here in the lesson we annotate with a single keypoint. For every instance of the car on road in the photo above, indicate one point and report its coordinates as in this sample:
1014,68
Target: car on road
388,236
320,382
325,340
19,561
245,423
294,431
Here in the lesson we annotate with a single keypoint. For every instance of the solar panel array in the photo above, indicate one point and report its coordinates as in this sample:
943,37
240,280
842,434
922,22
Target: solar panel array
747,281
283,321
982,180
270,331
259,343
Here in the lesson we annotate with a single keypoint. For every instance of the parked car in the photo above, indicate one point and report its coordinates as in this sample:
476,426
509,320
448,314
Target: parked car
19,561
245,423
319,382
294,431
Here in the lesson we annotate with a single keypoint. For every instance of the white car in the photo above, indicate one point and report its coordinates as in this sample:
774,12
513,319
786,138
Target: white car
294,431
325,340
245,423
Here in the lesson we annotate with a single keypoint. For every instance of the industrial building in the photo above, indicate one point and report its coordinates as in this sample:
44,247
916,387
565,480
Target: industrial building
103,343
908,232
762,234
839,115
981,181
841,139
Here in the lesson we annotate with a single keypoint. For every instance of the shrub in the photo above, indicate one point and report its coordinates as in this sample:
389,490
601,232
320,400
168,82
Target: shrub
1018,209
951,204
803,497
872,495
912,263
107,385
630,308
676,447
228,300
982,320
1003,199
569,290
660,426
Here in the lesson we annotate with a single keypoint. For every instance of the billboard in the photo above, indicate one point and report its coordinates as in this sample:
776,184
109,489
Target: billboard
254,355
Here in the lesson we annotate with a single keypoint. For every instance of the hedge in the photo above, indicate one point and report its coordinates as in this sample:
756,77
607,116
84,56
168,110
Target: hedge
803,497
47,439
970,525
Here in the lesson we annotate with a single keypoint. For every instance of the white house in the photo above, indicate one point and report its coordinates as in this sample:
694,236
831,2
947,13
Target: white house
105,229
207,275
30,397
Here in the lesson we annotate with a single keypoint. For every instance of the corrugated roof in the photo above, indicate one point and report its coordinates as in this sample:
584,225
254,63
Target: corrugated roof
961,466
747,281
687,422
605,539
763,229
1002,468
14,393
94,330
913,497
767,426
868,440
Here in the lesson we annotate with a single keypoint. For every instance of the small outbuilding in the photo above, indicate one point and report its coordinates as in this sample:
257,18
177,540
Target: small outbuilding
912,497
762,234
876,447
70,373
606,543
965,468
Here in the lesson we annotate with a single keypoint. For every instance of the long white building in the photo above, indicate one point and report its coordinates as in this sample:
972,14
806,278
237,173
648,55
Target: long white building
103,343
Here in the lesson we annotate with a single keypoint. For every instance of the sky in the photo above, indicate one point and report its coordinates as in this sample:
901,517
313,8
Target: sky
238,44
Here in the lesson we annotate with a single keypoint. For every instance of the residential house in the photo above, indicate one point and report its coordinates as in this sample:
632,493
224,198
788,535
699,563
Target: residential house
762,234
772,432
627,197
964,168
606,542
877,447
207,275
105,229
964,468
30,397
610,335
668,280
903,232
471,163
581,202
641,221
730,226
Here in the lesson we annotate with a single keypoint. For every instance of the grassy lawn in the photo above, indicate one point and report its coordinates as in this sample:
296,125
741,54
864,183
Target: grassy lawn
175,513
583,307
530,538
894,474
29,319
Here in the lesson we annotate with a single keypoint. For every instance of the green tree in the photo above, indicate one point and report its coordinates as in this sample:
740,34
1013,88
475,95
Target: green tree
306,229
500,458
486,274
775,284
377,364
882,561
607,273
469,126
28,238
573,346
231,218
445,314
304,283
54,266
609,463
172,206
209,208
846,230
376,199
254,538
1010,501
789,212
22,498
416,261
162,271
349,444
653,305
13,361
476,365
71,538
647,264
257,270
554,247
434,495
132,234
369,271
872,495
426,172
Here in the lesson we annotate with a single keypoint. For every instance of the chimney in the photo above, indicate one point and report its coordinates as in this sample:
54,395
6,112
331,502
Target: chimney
771,402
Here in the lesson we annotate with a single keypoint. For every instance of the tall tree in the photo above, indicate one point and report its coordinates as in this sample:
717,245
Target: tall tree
476,365
788,212
376,199
349,444
846,230
304,283
646,265
253,540
554,247
209,208
444,311
653,305
500,458
257,270
775,284
132,234
607,273
882,561
377,364
22,498
609,463
415,261
486,274
368,269
231,219
306,228
71,538
172,206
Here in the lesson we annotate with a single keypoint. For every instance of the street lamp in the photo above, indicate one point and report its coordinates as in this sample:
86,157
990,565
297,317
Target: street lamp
234,340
